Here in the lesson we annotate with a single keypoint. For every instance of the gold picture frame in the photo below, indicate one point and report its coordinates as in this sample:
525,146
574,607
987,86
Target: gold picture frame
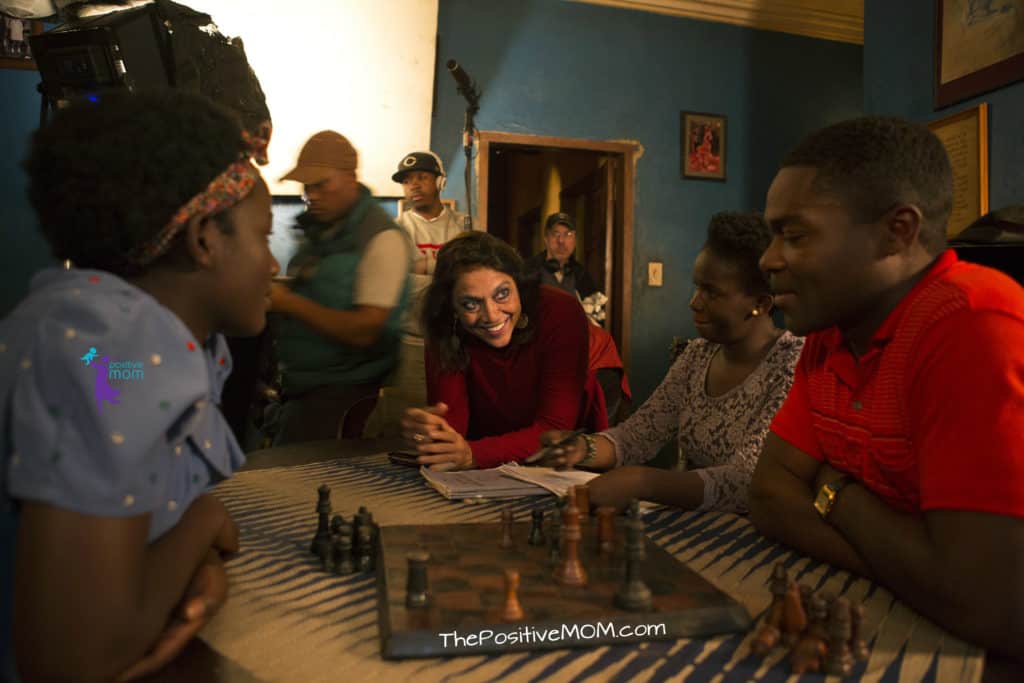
965,137
979,46
703,145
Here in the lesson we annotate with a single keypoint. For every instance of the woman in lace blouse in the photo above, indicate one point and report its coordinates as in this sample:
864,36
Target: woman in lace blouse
718,397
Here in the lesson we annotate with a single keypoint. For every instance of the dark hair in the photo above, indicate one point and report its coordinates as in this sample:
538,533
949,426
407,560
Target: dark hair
741,238
105,177
467,252
874,163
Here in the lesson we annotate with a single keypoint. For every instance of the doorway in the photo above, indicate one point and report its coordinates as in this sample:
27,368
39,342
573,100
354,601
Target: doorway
525,178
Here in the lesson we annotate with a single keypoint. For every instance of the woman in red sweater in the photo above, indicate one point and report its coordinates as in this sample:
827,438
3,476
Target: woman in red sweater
506,359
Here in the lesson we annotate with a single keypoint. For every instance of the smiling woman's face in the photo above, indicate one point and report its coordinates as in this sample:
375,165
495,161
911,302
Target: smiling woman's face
487,304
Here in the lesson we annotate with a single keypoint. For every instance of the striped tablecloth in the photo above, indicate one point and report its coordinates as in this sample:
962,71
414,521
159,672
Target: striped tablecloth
288,621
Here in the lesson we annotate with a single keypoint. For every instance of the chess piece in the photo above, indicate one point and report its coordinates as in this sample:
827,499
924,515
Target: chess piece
770,633
343,565
323,551
336,522
554,539
634,595
583,501
365,544
506,528
417,591
513,611
858,648
839,661
605,530
809,653
805,597
569,499
794,619
323,511
537,528
571,572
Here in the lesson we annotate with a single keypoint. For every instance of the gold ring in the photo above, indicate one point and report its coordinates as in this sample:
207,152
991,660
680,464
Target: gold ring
419,438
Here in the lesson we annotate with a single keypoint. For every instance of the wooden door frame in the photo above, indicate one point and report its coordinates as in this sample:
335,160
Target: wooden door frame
630,152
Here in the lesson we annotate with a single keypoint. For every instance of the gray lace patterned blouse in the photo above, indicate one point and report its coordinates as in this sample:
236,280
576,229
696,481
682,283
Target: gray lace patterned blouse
719,437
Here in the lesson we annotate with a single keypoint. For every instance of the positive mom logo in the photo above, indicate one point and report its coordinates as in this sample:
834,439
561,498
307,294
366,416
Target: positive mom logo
106,371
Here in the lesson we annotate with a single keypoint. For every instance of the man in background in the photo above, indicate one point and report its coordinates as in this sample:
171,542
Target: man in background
428,224
339,337
557,264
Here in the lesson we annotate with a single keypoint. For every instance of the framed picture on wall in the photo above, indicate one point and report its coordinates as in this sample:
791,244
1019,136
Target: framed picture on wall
979,46
703,147
14,51
965,137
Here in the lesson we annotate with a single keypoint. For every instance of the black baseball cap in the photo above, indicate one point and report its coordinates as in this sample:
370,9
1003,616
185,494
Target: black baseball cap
559,218
417,161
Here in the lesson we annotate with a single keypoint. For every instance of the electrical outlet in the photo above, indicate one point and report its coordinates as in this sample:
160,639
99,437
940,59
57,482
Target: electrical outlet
654,273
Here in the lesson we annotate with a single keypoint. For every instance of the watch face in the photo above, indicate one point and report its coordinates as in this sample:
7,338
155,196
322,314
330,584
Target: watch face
823,501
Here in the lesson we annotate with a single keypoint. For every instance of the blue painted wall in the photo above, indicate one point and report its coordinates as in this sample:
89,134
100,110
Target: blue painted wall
899,75
24,251
584,71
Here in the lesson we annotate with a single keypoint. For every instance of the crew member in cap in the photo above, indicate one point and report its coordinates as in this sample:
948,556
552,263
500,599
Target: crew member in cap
558,267
339,335
428,224
557,264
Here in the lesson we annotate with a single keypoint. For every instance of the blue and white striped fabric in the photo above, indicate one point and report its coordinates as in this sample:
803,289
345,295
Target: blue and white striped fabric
288,621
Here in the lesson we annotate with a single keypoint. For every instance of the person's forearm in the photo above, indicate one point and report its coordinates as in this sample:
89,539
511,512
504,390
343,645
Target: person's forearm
679,488
169,565
919,571
101,622
173,559
604,458
357,327
789,516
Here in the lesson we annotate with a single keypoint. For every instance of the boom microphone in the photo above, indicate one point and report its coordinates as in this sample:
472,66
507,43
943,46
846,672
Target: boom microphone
467,88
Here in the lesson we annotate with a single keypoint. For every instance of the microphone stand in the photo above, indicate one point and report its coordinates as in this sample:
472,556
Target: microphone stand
468,132
471,93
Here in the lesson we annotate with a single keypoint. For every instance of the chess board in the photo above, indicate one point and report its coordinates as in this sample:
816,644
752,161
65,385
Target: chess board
467,594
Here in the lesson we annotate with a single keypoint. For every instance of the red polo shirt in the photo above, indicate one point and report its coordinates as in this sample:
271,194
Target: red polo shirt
932,416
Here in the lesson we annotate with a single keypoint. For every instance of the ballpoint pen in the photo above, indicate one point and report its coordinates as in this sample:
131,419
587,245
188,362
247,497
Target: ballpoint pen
564,441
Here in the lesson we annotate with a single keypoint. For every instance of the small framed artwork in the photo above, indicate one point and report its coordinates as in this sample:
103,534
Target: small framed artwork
15,52
979,46
965,137
703,145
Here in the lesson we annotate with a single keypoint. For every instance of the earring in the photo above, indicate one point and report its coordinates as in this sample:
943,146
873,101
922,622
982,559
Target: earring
523,321
456,342
755,313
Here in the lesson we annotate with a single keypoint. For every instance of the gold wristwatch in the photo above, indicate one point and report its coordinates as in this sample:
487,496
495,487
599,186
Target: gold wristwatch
826,497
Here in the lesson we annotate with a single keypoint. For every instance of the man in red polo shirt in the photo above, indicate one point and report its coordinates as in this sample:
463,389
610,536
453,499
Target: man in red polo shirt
899,452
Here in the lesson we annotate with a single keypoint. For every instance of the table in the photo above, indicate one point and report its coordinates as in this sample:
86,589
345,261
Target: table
288,621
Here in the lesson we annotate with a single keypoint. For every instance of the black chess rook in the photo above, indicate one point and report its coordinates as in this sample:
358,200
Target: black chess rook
634,595
343,564
417,590
323,511
365,562
506,528
537,527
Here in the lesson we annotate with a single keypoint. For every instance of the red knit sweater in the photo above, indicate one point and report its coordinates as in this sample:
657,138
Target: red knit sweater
507,397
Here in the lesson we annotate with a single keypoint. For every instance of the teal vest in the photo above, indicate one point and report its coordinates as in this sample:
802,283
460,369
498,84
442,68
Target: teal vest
325,265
